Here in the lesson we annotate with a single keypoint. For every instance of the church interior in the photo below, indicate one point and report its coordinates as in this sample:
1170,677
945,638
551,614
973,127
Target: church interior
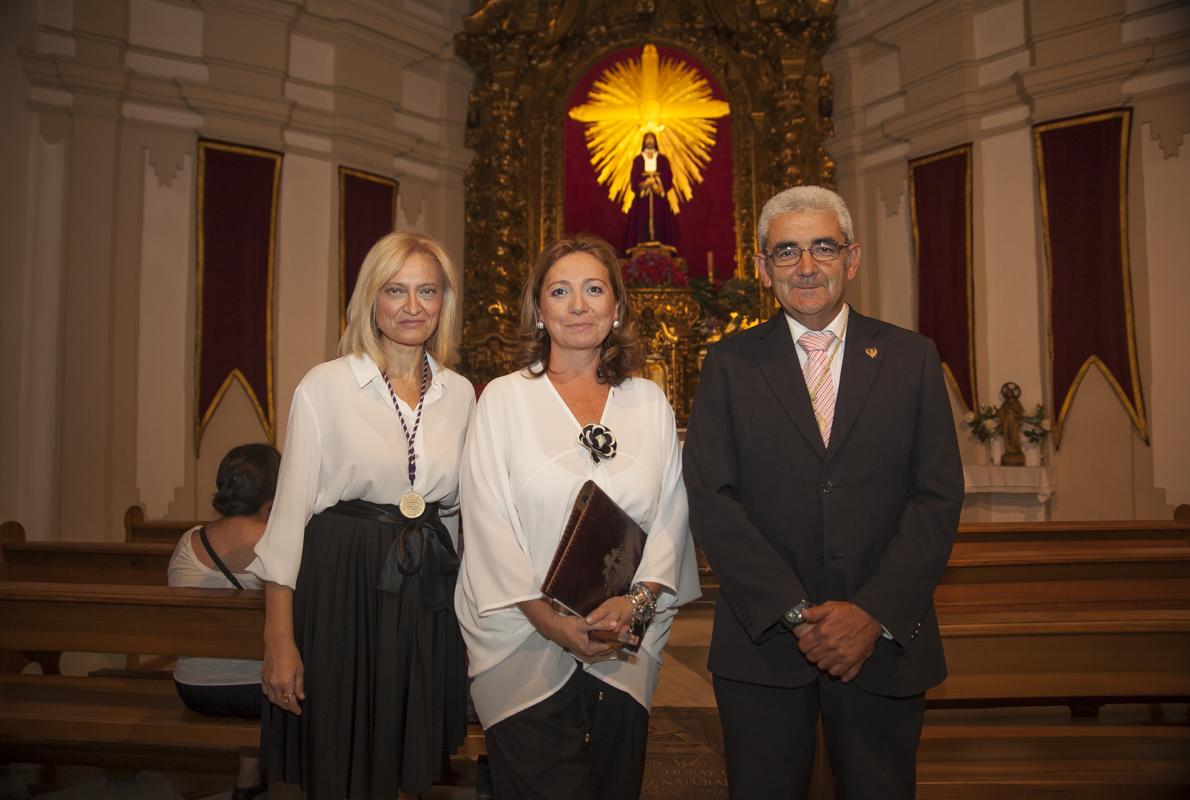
190,187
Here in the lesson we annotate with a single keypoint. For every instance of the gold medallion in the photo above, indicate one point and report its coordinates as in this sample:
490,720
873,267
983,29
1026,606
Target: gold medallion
412,504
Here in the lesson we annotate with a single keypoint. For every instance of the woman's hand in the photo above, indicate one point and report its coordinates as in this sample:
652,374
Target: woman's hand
617,610
574,634
281,675
569,632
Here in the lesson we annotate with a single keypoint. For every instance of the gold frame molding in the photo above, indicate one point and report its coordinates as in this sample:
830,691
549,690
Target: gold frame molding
969,150
766,55
264,412
1134,406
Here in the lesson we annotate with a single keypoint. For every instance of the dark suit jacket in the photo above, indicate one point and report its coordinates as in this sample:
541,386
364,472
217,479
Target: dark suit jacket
871,519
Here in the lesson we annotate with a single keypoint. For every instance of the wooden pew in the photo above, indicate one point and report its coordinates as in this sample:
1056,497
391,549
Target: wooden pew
1081,655
1044,752
108,720
1101,532
138,529
1046,572
120,563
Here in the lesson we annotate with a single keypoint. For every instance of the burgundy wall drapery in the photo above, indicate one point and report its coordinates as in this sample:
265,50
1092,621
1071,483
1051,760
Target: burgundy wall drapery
706,222
1082,167
940,204
236,247
367,209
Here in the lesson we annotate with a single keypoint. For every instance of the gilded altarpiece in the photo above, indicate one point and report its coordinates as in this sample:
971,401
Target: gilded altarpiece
528,54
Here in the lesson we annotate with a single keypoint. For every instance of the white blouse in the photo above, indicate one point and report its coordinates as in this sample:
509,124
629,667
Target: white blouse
345,442
186,570
521,471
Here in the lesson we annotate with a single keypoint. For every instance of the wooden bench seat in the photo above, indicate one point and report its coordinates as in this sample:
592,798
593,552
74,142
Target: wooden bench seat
113,722
86,562
101,720
1018,753
96,618
1126,531
112,710
138,529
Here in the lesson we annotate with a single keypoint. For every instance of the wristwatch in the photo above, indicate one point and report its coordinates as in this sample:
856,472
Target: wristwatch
796,615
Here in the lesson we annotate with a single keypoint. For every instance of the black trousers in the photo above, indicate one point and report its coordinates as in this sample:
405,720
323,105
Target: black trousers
769,739
237,700
586,741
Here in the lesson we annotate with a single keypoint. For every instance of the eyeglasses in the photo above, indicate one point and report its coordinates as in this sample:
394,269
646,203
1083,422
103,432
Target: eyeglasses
790,254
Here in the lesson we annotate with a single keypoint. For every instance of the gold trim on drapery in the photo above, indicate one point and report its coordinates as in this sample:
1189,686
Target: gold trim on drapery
344,172
967,150
1133,404
264,411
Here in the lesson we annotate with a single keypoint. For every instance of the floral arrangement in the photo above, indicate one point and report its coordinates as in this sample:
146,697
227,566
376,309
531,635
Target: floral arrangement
1036,426
726,307
655,268
983,422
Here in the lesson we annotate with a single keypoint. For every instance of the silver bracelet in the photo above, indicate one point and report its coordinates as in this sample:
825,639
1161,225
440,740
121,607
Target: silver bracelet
644,604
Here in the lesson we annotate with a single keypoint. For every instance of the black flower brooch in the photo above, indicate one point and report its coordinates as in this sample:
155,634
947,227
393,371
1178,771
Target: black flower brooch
599,442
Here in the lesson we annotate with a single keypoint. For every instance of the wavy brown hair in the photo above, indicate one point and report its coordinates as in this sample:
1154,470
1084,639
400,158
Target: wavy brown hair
620,355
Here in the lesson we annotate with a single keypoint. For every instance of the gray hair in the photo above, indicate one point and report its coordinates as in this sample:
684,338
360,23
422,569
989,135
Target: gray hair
803,198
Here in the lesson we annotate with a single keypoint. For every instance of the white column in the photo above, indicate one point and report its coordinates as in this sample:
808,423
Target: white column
1008,254
1167,241
167,247
307,275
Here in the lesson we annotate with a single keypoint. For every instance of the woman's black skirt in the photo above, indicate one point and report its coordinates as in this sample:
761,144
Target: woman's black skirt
385,678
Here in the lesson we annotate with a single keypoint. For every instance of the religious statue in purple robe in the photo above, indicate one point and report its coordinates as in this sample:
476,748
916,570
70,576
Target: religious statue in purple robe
650,219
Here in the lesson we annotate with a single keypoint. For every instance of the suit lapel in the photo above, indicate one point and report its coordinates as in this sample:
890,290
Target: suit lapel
862,358
782,370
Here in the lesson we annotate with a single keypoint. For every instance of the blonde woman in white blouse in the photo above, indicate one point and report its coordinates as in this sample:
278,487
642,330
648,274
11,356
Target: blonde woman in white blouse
567,715
363,662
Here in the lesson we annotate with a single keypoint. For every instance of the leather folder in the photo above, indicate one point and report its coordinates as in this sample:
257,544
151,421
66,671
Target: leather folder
598,555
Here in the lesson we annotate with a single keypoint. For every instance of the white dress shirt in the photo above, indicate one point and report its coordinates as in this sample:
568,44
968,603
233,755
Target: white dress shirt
345,442
522,469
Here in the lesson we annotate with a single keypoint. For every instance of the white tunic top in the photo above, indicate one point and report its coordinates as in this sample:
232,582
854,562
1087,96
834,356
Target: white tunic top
521,471
186,570
345,442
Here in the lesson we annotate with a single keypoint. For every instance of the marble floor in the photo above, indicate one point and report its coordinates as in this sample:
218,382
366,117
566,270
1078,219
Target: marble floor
682,765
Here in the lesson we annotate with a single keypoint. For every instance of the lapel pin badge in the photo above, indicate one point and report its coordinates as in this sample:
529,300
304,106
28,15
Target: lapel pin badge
871,351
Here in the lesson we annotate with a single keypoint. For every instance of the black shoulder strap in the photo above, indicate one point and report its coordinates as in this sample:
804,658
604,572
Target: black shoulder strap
206,543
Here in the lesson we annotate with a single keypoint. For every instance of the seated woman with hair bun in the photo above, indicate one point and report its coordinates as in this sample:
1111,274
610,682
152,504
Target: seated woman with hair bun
214,556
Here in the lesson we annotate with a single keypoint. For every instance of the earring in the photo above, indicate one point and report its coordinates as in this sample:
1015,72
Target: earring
615,323
540,325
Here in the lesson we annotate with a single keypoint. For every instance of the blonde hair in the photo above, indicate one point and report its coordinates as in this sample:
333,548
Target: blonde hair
387,256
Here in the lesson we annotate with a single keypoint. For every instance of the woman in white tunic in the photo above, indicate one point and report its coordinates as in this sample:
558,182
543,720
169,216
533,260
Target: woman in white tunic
566,715
363,661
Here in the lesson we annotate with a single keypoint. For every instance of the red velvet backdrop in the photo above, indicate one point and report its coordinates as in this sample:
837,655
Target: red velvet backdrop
1083,170
367,208
941,208
706,223
237,223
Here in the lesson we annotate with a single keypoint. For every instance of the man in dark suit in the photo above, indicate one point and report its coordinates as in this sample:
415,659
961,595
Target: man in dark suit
825,485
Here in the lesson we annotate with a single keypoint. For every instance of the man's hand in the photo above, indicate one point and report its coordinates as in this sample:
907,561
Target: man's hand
837,637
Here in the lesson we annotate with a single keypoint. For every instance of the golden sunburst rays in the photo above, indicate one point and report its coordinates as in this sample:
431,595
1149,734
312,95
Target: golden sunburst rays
665,96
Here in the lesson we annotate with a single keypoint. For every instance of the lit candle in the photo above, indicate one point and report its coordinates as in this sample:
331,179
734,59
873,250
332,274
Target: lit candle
711,266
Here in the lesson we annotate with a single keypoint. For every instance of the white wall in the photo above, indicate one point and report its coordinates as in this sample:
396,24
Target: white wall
103,108
914,77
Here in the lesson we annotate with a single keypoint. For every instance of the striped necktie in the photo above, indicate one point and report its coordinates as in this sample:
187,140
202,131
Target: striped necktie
817,371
